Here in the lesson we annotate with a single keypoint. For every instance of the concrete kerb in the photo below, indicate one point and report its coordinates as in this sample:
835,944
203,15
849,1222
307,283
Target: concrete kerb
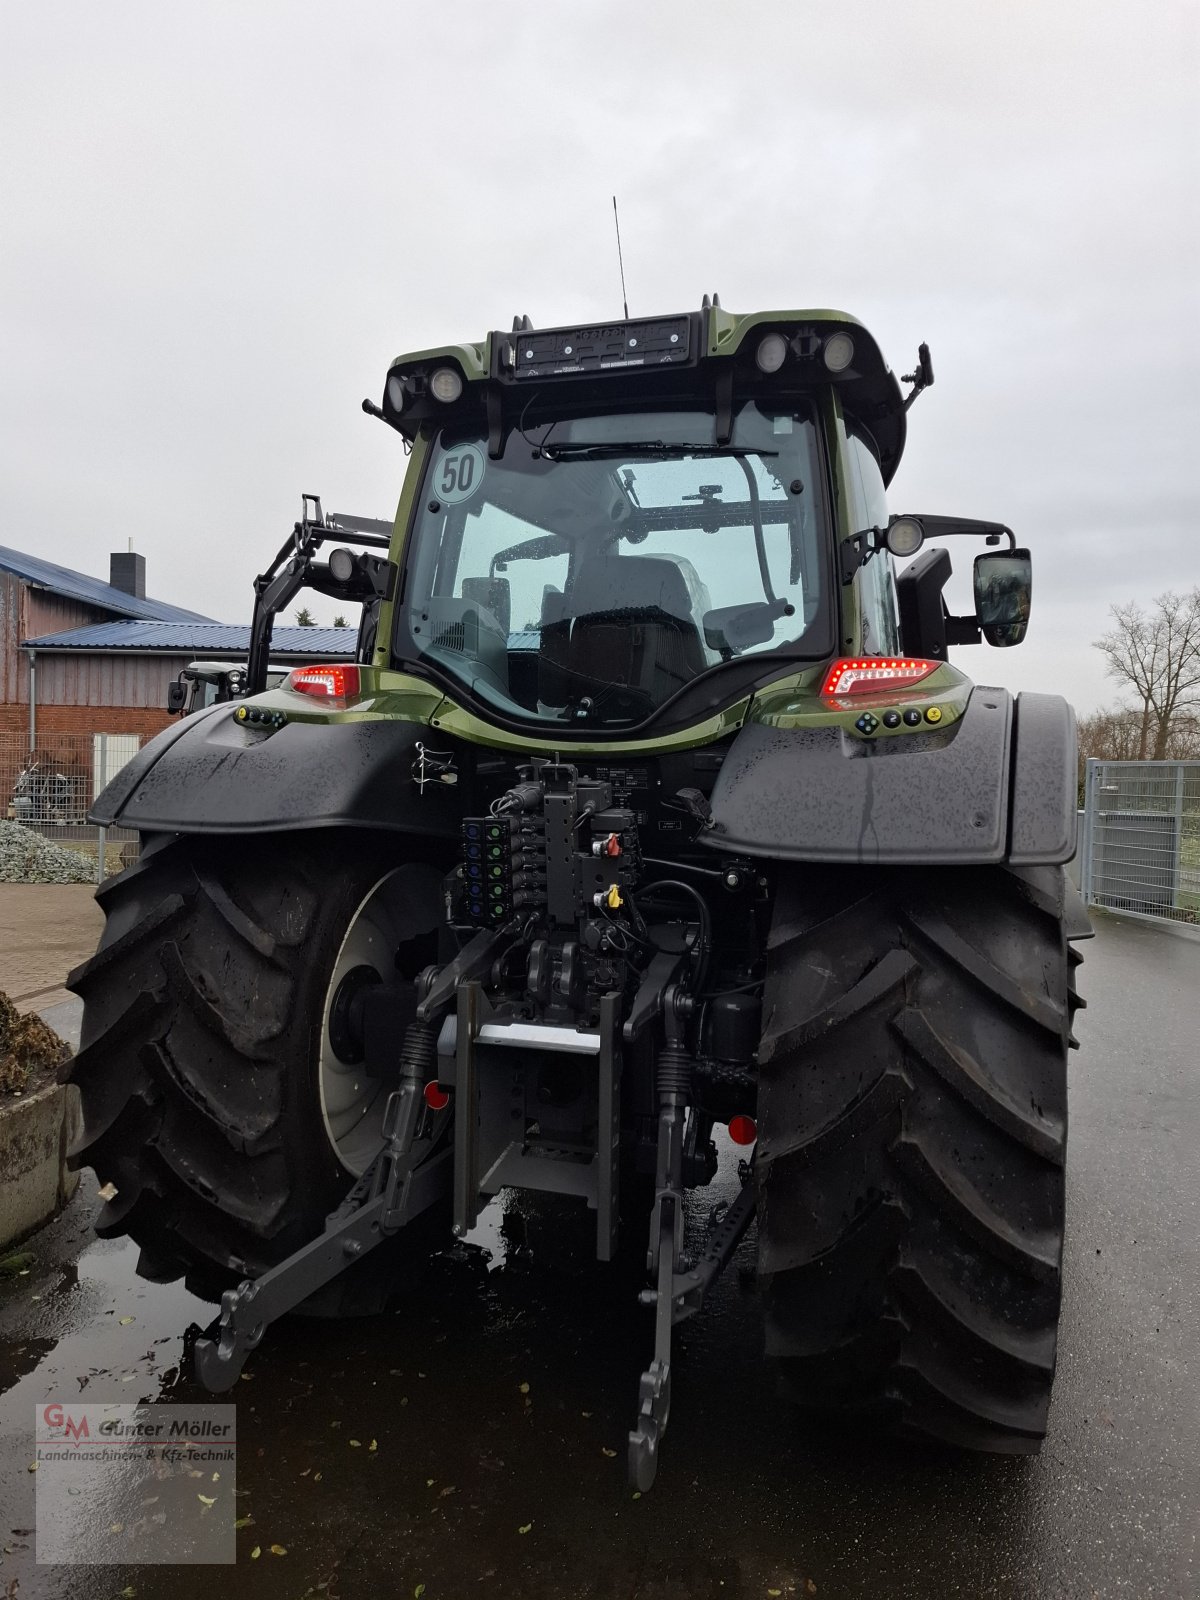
45,930
36,1131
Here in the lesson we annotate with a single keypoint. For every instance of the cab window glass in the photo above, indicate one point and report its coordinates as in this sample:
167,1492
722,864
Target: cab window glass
876,578
590,576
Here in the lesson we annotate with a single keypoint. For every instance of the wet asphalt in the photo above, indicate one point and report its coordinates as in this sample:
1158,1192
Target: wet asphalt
499,1398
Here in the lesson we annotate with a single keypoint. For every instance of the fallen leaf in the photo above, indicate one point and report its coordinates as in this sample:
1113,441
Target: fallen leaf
374,1445
774,1592
216,1477
256,1552
355,1444
32,1467
116,1527
810,1586
128,1594
125,1321
525,1527
442,1493
429,1483
316,1477
244,1522
207,1499
587,1413
605,1451
637,1494
418,1591
278,1550
246,1377
523,1387
108,1192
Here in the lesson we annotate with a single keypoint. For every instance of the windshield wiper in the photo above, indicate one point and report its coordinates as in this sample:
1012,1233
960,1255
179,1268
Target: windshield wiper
598,450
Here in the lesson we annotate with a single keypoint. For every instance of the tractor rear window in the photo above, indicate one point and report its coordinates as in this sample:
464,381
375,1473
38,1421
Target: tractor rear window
606,562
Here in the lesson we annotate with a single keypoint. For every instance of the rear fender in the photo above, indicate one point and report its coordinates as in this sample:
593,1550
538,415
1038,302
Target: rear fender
212,775
998,785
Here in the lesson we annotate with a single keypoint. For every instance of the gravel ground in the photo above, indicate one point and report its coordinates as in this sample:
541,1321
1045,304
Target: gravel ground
25,857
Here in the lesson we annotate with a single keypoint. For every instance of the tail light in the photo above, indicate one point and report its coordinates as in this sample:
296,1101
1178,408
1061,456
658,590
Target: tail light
327,683
872,673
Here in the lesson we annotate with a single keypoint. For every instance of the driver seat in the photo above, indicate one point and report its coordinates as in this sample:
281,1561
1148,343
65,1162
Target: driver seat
624,633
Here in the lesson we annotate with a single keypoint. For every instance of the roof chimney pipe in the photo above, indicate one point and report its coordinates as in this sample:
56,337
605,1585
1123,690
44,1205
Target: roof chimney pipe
127,571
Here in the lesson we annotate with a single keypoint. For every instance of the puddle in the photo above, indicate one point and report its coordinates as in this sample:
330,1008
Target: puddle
504,1386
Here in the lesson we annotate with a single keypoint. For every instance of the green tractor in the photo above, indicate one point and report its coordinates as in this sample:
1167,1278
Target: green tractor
652,813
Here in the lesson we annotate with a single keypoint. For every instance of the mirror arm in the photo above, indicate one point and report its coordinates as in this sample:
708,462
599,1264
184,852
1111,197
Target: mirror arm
372,410
922,378
963,630
858,550
955,527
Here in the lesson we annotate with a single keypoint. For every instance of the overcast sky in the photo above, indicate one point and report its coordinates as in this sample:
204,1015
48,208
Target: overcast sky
220,223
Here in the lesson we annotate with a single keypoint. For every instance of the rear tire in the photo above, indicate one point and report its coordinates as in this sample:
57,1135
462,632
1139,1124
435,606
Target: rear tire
912,1132
200,1063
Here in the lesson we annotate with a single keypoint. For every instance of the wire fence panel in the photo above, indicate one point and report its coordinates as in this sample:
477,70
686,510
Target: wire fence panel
50,789
1141,838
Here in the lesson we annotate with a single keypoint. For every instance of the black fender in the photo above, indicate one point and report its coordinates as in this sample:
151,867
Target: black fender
213,775
998,785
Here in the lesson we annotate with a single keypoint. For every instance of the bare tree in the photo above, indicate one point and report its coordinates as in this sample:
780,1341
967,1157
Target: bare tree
1157,653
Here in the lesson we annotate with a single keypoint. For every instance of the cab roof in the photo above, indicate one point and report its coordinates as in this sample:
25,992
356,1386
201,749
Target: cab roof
710,350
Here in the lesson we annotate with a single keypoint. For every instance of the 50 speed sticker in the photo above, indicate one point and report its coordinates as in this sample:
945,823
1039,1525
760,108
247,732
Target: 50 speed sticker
459,474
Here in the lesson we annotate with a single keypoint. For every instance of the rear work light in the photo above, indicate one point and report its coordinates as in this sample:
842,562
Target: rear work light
873,673
327,683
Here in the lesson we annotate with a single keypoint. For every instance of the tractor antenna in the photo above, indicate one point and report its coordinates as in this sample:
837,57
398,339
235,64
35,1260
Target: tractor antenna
620,258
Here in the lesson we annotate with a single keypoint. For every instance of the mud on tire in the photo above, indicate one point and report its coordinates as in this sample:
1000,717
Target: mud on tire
198,1067
912,1131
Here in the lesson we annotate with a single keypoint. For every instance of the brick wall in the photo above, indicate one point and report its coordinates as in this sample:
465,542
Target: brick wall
145,720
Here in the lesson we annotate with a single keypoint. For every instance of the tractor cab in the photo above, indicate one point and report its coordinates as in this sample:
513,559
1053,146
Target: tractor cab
609,528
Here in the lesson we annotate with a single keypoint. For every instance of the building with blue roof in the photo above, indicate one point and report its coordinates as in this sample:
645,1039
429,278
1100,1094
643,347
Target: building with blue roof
79,656
123,596
214,641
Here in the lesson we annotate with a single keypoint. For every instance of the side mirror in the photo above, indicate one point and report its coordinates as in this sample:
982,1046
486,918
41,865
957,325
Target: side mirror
176,697
1003,590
